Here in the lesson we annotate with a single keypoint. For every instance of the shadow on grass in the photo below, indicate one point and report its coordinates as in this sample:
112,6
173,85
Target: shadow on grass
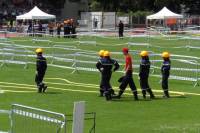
52,93
131,99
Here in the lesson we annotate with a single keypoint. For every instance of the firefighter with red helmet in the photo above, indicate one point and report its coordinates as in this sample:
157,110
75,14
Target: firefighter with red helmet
128,77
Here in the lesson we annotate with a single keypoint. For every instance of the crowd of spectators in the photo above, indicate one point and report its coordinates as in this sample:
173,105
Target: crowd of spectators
9,9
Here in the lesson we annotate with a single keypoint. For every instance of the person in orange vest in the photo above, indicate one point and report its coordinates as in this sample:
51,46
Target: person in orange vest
67,28
73,28
128,77
59,26
51,27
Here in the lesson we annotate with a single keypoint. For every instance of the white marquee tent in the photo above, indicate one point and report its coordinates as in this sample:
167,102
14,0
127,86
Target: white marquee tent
34,14
164,14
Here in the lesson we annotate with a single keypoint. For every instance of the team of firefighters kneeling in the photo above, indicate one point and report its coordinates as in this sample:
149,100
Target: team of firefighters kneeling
105,66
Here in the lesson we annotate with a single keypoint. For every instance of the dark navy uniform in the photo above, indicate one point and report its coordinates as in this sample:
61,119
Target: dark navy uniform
98,65
41,66
127,79
165,70
105,66
58,30
144,75
121,29
73,30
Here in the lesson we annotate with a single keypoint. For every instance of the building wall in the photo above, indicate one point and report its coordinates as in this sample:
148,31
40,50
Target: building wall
72,9
102,19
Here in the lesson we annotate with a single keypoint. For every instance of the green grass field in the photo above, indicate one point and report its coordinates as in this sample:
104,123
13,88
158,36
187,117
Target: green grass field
179,114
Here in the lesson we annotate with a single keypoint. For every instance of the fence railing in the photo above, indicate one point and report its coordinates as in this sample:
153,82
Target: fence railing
183,67
26,119
72,57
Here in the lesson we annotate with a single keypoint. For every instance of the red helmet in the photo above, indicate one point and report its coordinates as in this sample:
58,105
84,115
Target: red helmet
125,50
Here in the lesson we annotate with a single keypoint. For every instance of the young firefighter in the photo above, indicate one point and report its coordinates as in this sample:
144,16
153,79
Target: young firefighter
165,69
41,66
105,66
128,78
144,74
101,54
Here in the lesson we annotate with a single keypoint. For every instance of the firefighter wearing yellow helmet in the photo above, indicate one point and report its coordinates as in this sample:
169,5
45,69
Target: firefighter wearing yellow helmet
105,66
41,66
165,70
101,56
101,53
144,74
106,54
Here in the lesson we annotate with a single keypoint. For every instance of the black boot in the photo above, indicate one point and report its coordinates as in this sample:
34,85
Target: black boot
135,95
44,88
108,96
150,93
39,89
119,94
144,94
101,93
166,94
112,92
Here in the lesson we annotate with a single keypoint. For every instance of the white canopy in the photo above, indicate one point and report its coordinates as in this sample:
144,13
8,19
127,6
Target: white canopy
164,14
36,13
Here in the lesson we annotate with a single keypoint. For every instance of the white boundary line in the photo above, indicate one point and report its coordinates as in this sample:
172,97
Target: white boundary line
69,83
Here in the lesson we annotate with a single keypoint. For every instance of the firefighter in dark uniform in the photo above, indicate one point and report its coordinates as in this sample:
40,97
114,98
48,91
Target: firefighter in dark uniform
165,70
73,28
101,54
59,27
68,29
51,28
105,66
121,29
127,78
65,28
41,66
101,90
144,74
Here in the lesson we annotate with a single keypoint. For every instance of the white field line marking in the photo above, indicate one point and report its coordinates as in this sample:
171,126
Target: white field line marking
17,84
19,91
62,89
97,86
13,86
84,85
1,91
64,84
67,81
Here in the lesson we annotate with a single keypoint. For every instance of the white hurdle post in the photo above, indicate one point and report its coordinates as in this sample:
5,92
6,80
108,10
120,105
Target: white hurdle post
78,117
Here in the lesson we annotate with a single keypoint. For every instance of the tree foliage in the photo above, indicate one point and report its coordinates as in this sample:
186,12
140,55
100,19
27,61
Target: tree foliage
126,6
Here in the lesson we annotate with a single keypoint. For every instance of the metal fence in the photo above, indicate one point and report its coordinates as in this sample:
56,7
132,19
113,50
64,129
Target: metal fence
71,57
26,119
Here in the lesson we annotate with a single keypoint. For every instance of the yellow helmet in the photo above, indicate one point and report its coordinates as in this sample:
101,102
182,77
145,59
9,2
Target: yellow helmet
39,50
106,54
144,53
101,53
165,55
